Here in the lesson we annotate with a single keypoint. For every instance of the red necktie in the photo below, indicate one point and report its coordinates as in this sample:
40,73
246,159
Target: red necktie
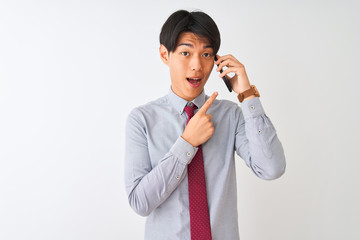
199,213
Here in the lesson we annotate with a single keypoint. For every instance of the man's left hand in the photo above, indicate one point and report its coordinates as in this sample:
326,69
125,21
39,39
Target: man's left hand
239,82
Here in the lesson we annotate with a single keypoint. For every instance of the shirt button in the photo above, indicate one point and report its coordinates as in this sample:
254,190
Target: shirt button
259,131
188,154
252,107
177,176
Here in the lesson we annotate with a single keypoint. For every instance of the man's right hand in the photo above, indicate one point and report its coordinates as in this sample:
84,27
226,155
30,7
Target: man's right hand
200,127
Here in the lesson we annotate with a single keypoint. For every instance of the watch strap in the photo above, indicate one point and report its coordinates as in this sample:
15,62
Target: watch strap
249,92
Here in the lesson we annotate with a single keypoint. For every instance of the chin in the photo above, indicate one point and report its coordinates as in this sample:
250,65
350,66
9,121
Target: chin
194,93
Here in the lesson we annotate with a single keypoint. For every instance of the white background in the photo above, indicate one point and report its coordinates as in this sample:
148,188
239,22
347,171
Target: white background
70,72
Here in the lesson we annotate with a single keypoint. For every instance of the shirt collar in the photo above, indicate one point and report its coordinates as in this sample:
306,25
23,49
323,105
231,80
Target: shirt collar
179,104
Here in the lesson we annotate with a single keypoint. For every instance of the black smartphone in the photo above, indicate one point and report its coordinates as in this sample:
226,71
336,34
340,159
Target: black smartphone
226,81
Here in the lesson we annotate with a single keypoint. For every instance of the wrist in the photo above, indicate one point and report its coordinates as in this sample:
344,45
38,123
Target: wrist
243,83
248,94
243,89
248,98
187,140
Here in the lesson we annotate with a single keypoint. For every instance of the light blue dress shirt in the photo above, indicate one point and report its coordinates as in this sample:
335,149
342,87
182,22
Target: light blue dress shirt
157,156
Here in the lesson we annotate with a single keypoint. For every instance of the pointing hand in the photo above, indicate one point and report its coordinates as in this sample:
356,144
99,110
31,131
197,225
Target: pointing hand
200,127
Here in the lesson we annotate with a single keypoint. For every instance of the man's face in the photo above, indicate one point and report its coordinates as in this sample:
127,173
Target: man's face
190,65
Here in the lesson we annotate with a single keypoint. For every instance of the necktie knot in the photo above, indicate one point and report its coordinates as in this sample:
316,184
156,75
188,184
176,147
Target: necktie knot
189,109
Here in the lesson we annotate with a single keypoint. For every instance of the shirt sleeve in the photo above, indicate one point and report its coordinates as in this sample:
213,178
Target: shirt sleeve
257,142
147,186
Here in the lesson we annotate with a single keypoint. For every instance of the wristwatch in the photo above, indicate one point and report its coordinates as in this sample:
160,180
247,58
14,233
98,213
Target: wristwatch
247,93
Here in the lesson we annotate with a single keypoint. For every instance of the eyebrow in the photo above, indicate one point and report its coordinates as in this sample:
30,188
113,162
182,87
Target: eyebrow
192,46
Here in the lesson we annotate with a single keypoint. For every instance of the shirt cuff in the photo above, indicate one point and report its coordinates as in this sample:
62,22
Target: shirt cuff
252,108
183,150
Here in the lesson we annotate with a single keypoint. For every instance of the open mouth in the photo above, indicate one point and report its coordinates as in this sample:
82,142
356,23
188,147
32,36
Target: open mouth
194,82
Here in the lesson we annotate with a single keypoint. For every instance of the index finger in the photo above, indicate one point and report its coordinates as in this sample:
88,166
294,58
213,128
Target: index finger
208,103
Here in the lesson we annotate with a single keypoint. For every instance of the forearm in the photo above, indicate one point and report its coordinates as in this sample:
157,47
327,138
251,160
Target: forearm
260,147
148,188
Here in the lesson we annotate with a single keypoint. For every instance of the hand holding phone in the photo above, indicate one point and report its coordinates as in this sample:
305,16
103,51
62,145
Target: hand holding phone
226,81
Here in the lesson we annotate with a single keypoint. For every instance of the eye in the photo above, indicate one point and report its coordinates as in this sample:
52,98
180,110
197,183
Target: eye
207,55
185,54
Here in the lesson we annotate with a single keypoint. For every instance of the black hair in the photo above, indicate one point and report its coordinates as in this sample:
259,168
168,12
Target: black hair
196,22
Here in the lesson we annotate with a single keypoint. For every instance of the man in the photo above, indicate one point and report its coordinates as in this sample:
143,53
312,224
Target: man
174,157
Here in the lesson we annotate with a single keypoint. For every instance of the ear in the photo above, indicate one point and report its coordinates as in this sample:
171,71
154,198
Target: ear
164,54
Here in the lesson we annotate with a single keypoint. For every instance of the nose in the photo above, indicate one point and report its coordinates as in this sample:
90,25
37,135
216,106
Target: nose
195,63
